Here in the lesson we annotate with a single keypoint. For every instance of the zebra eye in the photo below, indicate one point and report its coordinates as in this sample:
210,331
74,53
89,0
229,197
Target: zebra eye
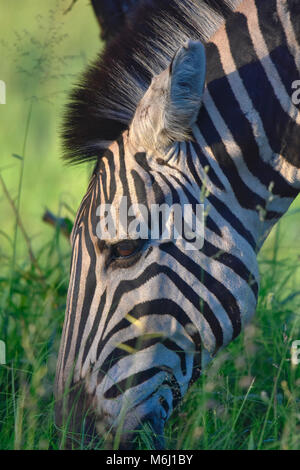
125,253
125,249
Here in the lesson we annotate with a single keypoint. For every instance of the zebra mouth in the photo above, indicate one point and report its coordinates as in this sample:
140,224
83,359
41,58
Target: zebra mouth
130,429
150,428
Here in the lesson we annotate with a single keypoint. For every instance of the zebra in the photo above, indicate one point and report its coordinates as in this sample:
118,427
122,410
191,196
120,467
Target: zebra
145,317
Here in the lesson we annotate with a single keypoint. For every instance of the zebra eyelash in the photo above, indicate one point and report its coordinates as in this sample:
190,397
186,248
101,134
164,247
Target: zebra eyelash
115,262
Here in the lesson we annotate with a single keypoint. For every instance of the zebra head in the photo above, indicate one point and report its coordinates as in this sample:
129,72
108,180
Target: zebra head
130,343
145,314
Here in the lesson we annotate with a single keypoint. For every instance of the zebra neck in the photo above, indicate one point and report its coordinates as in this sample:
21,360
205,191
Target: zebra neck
248,133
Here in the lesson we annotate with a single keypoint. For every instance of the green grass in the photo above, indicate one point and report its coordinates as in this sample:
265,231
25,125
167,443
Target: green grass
249,396
42,53
247,399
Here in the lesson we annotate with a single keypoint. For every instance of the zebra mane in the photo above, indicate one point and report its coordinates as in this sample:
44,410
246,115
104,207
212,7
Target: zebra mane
103,103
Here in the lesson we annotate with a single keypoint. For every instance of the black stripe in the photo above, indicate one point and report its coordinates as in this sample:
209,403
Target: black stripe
224,211
232,262
294,9
141,160
140,344
204,163
162,162
108,196
90,285
76,286
93,332
280,54
84,204
132,381
282,132
246,198
140,190
161,306
239,126
232,220
225,297
176,200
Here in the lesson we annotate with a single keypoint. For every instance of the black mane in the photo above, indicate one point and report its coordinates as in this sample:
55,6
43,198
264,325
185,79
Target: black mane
103,103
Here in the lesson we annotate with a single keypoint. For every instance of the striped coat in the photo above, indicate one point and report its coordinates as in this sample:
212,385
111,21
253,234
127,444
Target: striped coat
143,318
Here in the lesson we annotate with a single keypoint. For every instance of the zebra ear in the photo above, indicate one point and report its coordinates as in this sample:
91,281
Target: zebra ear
171,104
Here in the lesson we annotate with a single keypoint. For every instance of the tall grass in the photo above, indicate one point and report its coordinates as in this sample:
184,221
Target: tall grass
249,396
247,399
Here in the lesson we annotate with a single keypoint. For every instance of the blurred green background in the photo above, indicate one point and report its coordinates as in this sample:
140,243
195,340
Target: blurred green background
43,50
